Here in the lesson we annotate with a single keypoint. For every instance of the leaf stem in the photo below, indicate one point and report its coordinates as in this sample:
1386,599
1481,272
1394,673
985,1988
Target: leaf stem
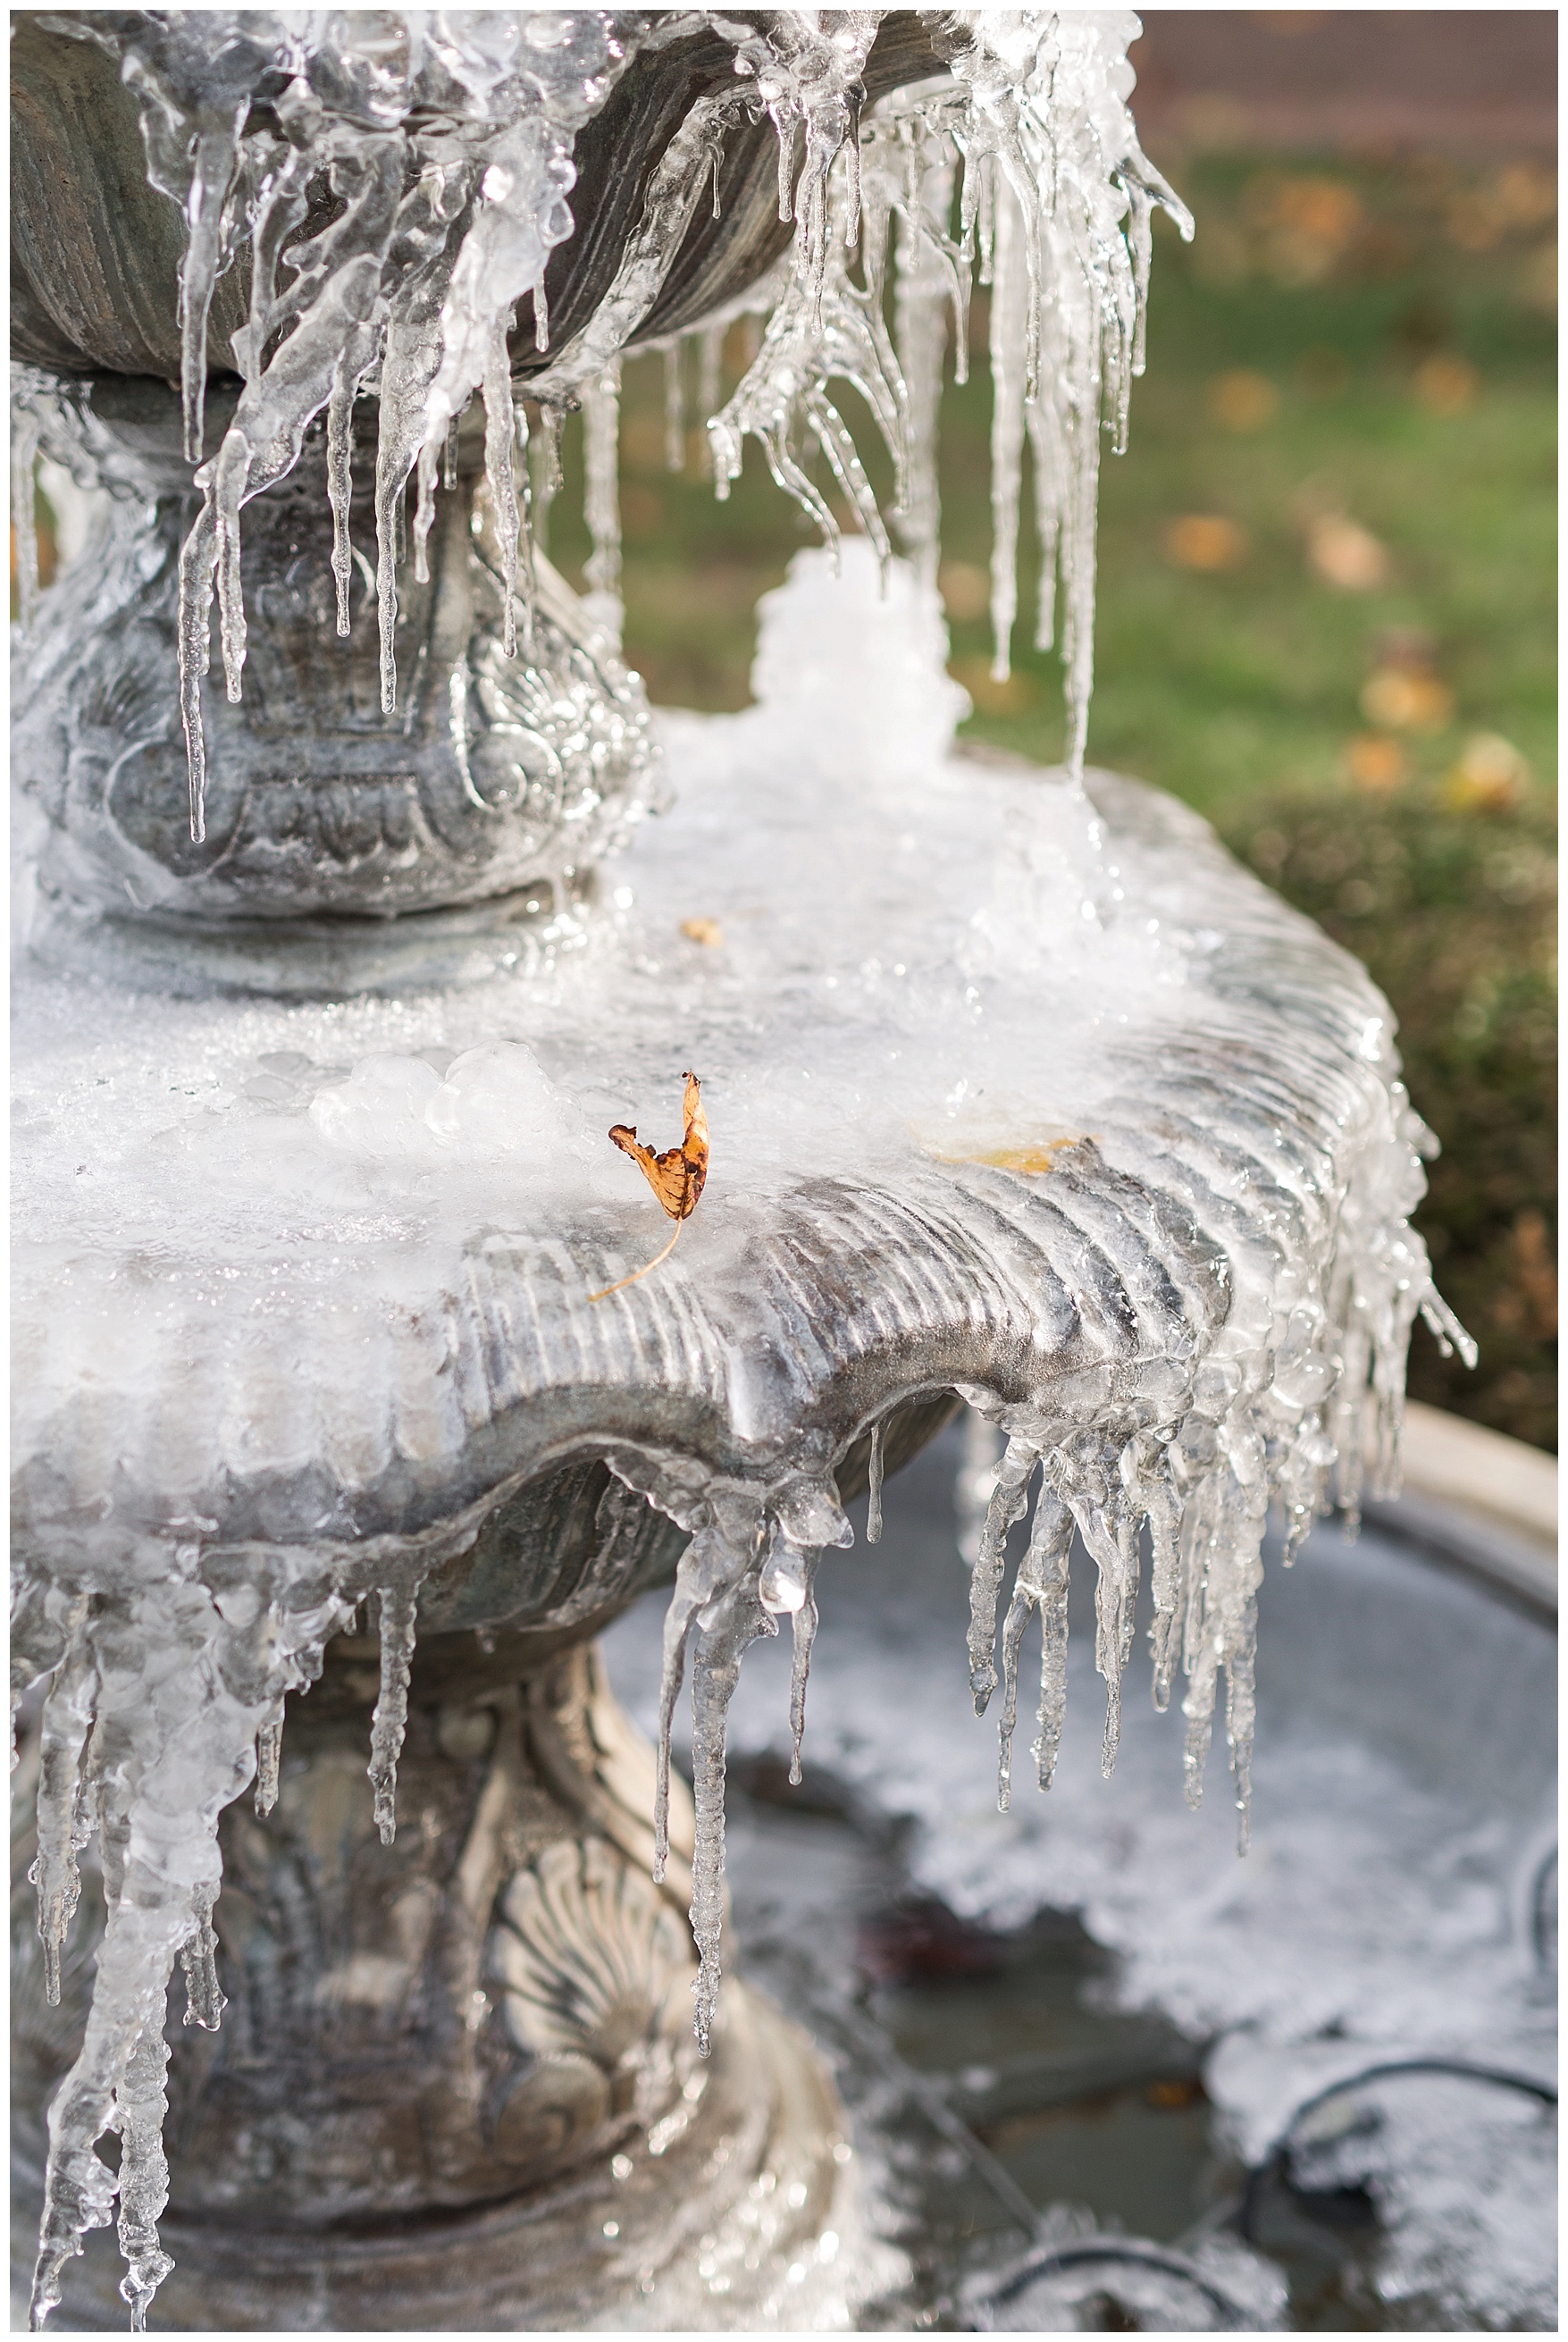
639,1273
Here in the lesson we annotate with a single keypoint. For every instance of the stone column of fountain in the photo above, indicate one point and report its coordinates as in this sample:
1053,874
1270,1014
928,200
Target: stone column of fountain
326,1440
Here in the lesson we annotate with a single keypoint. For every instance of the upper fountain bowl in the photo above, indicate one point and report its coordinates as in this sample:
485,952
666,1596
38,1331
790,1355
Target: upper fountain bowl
398,750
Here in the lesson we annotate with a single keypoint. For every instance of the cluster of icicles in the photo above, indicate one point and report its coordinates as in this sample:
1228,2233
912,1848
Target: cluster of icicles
145,1762
445,140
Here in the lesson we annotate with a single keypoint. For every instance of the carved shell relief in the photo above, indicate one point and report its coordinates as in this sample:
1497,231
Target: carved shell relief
594,1971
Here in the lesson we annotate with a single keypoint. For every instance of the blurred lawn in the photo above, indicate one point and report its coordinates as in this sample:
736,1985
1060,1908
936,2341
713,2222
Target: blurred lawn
1326,618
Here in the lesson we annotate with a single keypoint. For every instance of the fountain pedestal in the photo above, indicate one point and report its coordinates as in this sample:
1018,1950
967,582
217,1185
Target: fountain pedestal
347,847
455,2084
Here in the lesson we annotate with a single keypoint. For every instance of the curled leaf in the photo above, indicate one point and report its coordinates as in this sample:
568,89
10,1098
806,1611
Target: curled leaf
677,1177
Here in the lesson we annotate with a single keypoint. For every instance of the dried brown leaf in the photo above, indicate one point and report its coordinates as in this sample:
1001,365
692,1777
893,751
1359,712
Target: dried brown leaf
677,1177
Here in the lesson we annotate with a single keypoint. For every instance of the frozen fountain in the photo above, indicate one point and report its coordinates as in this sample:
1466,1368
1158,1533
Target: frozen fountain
347,1414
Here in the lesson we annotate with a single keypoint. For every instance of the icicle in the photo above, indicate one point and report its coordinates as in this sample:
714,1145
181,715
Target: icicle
669,204
228,473
449,457
199,560
1042,1583
677,1629
340,486
1048,1568
101,2092
205,2004
269,1757
63,1729
874,1496
391,479
1108,1525
725,1629
786,1588
212,169
711,1564
140,2104
974,1481
546,469
602,505
524,479
1200,1659
711,347
500,439
675,410
24,434
541,314
1045,445
399,1607
1009,324
1164,1516
1008,1499
805,1625
921,293
425,514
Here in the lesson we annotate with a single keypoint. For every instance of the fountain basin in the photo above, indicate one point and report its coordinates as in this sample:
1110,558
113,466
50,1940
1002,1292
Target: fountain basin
1089,2001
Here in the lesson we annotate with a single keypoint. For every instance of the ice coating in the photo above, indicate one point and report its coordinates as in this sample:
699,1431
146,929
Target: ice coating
1012,1087
1025,1090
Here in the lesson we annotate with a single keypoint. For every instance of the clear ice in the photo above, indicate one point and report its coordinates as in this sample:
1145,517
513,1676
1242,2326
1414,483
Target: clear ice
1029,1034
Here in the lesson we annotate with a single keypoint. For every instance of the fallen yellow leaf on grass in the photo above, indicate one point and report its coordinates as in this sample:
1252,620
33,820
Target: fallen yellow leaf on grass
1375,762
1241,400
1205,541
1347,555
678,1178
1490,776
1404,699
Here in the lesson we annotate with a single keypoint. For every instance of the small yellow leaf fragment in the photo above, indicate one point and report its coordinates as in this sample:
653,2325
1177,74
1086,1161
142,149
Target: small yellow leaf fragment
1031,1159
706,932
677,1177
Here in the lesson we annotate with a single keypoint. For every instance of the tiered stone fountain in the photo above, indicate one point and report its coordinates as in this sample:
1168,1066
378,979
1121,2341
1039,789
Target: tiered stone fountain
1018,1090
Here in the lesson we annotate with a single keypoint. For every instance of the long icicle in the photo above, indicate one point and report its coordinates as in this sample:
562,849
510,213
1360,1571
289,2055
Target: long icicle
63,1729
340,486
1008,1500
733,1622
205,2002
873,1466
788,1588
269,1757
601,503
1041,1584
500,443
399,1608
140,2104
25,434
1009,322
